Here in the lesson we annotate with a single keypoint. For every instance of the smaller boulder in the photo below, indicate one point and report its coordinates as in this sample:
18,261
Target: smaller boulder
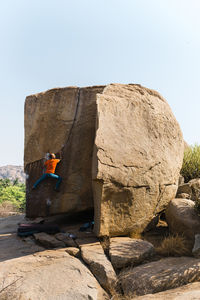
192,188
184,188
69,242
182,218
195,186
125,251
48,241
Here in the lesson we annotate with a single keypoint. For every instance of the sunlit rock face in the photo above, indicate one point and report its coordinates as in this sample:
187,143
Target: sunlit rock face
122,151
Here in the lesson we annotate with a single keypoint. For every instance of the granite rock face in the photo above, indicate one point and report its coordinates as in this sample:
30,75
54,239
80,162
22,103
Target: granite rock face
60,120
122,151
137,157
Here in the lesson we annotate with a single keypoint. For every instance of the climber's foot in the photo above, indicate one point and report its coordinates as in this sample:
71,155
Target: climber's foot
56,190
33,187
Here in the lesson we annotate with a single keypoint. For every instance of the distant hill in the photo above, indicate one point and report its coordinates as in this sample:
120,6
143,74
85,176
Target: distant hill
12,172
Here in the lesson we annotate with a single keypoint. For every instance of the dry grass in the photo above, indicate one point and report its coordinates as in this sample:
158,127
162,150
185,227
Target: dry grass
7,208
105,243
173,245
135,235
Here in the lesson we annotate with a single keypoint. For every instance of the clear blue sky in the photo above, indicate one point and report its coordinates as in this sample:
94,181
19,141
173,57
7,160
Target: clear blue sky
56,43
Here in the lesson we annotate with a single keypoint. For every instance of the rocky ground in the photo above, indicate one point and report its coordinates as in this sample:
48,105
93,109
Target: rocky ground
46,266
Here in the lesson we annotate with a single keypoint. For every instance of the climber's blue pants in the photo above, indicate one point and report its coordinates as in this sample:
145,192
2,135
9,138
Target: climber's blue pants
49,175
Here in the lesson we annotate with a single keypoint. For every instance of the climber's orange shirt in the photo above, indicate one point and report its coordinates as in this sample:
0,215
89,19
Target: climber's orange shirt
51,165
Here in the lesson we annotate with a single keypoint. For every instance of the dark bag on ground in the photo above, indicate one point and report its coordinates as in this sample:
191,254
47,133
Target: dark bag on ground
31,228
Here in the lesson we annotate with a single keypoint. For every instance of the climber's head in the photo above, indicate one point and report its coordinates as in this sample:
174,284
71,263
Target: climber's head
52,156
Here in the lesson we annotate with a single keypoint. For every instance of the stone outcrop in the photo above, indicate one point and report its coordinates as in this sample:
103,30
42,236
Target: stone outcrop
48,275
160,275
125,251
121,148
182,218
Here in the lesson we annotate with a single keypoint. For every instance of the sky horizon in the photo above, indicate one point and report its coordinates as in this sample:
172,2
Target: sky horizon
62,43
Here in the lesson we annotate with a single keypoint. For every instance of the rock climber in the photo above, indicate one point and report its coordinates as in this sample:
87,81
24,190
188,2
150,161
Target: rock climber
50,166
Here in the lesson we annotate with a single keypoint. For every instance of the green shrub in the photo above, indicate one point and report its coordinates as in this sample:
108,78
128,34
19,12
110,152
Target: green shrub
13,193
191,163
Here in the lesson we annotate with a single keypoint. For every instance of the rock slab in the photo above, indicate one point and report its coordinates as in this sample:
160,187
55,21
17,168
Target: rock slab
52,275
160,275
125,251
99,264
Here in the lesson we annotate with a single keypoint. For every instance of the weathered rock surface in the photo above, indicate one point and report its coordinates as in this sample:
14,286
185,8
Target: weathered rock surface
99,264
72,131
137,158
125,251
73,251
48,275
182,218
48,241
160,275
196,248
189,291
192,188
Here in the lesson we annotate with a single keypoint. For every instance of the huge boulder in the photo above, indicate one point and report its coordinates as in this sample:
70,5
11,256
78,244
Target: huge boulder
122,151
137,157
63,120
